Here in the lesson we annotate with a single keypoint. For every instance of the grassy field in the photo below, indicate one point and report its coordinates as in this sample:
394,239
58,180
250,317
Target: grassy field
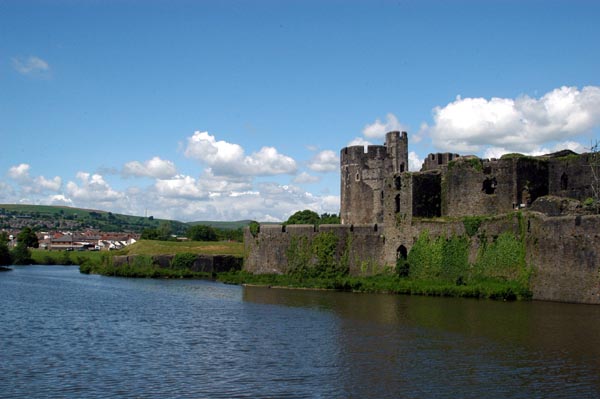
143,247
151,247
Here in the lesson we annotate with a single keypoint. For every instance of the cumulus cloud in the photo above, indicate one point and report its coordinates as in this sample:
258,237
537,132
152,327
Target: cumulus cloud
155,168
497,152
378,129
48,184
324,161
19,172
228,159
524,124
28,184
30,65
92,189
60,199
180,187
414,162
359,141
304,178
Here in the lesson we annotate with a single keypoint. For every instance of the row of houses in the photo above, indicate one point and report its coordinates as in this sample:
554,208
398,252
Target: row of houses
86,241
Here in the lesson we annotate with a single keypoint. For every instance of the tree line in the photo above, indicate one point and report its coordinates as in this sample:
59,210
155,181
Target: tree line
202,232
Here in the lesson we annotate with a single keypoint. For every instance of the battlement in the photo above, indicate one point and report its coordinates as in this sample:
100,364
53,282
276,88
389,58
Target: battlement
358,155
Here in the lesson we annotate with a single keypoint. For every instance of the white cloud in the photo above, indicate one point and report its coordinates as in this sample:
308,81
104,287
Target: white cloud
48,184
414,162
93,189
304,178
180,187
268,162
324,161
30,65
60,199
19,172
155,168
27,184
497,152
378,129
523,124
228,159
359,141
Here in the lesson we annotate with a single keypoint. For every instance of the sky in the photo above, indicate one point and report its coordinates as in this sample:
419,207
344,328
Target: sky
231,110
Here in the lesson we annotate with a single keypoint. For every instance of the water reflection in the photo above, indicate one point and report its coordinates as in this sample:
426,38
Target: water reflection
425,346
72,335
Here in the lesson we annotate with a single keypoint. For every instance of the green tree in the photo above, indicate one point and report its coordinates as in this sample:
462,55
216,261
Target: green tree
165,229
304,217
329,218
149,234
28,238
21,255
4,253
201,232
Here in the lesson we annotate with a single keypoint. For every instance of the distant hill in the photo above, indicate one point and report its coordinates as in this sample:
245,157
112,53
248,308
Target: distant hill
48,217
223,225
52,217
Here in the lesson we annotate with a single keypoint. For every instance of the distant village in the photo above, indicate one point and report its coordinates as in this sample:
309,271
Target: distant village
67,236
90,240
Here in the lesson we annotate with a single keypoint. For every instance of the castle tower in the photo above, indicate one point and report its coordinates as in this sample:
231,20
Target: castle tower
397,147
363,174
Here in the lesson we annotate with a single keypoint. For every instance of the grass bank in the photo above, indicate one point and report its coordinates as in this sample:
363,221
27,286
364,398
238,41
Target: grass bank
386,283
45,257
142,247
153,247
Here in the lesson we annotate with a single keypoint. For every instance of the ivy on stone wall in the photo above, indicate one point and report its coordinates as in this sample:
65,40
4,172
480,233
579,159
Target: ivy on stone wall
472,224
299,256
439,259
447,259
317,258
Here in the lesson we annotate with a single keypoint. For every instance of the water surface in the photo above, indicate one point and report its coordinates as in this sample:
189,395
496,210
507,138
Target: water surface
83,336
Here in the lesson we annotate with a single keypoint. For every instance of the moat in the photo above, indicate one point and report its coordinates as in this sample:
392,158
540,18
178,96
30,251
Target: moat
65,334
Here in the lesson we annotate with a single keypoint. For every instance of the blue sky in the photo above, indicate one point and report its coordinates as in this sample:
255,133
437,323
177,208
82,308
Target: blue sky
228,110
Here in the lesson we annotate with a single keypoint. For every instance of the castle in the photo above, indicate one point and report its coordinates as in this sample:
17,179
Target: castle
376,189
385,208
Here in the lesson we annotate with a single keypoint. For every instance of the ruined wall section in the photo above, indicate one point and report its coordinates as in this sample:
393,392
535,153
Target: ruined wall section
427,194
473,187
438,160
570,176
531,181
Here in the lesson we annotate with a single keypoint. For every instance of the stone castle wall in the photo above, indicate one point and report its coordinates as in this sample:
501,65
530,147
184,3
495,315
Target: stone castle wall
267,252
564,252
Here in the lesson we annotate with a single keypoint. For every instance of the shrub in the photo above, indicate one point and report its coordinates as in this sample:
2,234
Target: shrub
183,261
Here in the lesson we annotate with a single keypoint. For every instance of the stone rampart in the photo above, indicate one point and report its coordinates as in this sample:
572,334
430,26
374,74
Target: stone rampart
268,250
564,252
